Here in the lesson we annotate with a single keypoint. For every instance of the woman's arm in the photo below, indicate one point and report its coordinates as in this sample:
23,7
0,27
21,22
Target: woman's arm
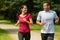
17,23
30,21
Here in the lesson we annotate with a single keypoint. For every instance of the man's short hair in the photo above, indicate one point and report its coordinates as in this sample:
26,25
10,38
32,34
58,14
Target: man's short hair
46,2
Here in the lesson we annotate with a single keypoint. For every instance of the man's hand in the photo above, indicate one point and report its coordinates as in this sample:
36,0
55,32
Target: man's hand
42,23
57,20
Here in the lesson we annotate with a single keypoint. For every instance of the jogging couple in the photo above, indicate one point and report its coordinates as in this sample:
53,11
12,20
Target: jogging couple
45,19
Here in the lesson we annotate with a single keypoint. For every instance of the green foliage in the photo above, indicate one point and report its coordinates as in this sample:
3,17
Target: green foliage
9,8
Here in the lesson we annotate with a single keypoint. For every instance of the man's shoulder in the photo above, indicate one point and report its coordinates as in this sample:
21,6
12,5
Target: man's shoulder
52,11
41,11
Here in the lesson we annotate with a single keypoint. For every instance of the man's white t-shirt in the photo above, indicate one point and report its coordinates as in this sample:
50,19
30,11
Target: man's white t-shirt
48,18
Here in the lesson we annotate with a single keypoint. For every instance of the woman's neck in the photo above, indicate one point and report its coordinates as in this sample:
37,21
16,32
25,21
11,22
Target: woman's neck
23,13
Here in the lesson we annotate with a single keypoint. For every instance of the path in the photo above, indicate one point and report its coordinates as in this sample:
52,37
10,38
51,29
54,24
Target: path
14,34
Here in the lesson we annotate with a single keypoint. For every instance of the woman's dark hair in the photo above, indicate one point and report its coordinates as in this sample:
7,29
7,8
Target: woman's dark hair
19,9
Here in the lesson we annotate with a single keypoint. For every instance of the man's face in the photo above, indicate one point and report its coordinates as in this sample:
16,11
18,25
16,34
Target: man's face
46,6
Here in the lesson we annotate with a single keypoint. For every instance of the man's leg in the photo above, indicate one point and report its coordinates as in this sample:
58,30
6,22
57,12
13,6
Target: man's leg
51,36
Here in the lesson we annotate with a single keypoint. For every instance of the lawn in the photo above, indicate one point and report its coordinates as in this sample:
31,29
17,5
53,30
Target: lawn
4,35
6,22
57,30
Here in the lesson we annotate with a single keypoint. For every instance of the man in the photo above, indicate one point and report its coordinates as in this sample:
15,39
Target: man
46,19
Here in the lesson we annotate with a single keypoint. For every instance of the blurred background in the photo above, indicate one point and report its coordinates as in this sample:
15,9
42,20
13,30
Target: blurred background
8,17
9,8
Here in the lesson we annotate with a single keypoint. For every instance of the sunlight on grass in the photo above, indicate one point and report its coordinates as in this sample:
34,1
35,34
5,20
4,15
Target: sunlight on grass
57,35
4,35
57,32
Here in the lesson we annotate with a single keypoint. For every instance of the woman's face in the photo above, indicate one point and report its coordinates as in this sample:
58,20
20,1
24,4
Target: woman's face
24,9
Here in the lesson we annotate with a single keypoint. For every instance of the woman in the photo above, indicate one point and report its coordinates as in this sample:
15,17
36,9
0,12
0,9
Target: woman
24,19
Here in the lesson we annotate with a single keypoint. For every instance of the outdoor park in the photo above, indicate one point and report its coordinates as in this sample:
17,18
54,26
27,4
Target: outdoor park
8,18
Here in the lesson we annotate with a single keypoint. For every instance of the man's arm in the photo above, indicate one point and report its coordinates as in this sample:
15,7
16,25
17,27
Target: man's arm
56,20
40,23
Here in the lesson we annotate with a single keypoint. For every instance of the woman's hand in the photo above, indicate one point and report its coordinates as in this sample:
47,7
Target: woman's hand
17,23
29,22
24,19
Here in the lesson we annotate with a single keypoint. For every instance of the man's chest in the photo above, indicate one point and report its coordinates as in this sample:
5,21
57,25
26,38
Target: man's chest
47,16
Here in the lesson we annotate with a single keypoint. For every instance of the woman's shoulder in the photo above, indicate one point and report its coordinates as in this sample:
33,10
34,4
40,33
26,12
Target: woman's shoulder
29,13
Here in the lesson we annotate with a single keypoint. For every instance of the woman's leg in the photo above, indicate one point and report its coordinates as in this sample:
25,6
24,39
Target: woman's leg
27,36
20,36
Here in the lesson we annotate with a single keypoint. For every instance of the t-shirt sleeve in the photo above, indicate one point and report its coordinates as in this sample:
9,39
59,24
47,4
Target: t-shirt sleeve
39,16
55,16
30,16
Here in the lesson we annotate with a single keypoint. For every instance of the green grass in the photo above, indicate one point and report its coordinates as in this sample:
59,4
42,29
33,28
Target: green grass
57,28
57,32
6,22
4,35
35,27
57,35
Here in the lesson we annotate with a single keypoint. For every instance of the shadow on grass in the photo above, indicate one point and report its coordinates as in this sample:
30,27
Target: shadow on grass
12,31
